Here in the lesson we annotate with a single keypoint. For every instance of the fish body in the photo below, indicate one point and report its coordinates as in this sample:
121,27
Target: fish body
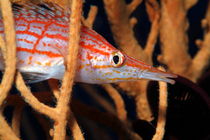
42,45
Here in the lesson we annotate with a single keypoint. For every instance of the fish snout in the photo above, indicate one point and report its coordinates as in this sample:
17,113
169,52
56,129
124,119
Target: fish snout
156,75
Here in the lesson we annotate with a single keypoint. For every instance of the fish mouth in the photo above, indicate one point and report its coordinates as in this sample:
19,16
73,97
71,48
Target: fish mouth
157,75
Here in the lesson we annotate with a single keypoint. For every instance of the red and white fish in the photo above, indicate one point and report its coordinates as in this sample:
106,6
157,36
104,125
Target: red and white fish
42,41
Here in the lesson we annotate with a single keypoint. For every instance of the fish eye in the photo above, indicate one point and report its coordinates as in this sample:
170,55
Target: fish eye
117,59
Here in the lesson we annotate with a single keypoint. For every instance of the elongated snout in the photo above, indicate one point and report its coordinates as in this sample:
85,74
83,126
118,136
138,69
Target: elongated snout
146,71
157,75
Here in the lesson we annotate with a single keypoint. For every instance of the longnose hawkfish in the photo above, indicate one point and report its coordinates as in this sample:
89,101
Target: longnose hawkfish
42,44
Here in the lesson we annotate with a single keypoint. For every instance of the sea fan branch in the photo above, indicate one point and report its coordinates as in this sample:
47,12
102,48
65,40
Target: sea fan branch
119,103
202,58
91,17
10,49
33,101
68,79
163,98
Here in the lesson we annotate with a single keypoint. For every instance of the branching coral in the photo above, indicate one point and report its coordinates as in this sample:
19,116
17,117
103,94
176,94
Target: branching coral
119,103
160,129
61,112
164,16
173,43
176,41
9,50
119,18
201,60
66,88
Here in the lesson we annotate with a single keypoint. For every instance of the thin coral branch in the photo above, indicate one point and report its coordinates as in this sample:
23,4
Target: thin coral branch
91,16
152,39
123,33
16,119
106,119
154,15
118,17
71,62
119,103
133,5
75,129
10,59
138,90
3,47
202,58
54,86
133,21
98,98
163,96
153,9
33,101
142,106
199,43
190,3
45,124
173,36
6,132
9,53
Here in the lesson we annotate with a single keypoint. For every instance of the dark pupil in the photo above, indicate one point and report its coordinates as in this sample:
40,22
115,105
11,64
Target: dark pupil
116,59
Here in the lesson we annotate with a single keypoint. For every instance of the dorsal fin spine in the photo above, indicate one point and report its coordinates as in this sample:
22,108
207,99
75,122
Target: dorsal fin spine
43,10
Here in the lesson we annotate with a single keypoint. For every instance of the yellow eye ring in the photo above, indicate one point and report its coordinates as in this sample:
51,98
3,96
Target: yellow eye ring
117,59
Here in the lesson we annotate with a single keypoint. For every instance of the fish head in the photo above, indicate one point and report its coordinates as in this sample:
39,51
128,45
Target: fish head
116,66
103,63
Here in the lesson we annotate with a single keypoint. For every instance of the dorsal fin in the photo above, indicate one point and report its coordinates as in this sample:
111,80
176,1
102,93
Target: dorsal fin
42,10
